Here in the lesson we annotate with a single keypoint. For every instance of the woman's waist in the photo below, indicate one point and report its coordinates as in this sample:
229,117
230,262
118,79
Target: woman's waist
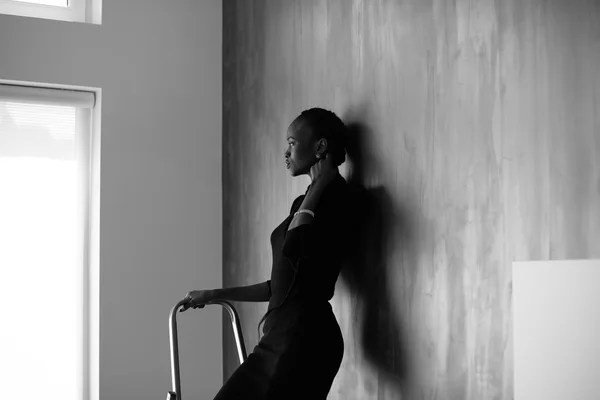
298,310
299,304
301,293
299,314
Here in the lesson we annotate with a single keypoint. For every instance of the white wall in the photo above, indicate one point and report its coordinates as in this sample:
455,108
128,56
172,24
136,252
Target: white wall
556,329
159,66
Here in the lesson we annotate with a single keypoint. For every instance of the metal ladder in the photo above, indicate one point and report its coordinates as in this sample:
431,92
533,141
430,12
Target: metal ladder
175,394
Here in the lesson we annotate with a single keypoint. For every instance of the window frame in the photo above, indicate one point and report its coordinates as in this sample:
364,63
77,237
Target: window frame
87,142
77,11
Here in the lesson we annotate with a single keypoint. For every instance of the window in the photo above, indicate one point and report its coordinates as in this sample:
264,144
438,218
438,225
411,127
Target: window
64,10
48,286
59,3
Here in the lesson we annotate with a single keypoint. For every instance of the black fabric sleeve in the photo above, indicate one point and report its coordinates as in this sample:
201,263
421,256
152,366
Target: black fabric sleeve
318,239
269,284
298,242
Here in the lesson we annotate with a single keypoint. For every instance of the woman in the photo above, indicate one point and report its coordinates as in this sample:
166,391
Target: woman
302,347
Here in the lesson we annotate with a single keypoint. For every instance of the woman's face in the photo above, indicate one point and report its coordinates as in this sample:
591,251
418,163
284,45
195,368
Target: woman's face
300,153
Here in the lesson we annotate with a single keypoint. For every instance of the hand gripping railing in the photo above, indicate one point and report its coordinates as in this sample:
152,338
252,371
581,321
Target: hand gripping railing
175,394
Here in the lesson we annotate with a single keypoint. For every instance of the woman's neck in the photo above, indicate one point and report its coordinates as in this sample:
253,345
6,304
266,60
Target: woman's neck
312,179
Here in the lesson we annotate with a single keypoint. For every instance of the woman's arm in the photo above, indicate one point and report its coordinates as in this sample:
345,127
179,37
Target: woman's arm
321,237
323,173
258,292
309,203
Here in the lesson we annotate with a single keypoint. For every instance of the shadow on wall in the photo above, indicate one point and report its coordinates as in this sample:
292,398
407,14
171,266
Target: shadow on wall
379,229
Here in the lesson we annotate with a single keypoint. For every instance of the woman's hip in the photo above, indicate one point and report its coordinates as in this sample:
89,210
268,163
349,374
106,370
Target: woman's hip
292,319
311,329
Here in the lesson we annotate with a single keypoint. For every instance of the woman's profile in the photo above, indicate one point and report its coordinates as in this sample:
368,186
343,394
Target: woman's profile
302,347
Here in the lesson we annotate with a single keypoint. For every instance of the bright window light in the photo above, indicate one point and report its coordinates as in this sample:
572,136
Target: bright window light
41,270
59,3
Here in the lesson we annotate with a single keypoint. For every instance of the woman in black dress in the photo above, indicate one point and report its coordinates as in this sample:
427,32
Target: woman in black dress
302,347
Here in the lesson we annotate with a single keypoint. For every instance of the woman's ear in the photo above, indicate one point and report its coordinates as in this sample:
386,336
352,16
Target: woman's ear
322,147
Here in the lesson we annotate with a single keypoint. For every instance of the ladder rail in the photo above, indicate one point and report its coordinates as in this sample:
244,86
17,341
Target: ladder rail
175,394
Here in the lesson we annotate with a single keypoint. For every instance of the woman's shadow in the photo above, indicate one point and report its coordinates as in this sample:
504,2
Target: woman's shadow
378,228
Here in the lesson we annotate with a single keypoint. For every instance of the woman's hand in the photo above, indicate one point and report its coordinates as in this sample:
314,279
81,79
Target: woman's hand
323,172
198,298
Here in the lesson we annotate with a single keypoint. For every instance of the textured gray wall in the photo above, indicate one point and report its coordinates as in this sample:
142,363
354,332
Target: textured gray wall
476,132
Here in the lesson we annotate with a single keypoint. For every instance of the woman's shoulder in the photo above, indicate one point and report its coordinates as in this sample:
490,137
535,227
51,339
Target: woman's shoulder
296,203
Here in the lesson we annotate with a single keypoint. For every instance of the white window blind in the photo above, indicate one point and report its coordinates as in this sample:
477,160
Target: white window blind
47,96
44,223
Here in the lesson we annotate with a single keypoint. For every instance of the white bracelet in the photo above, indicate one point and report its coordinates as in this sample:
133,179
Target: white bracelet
307,211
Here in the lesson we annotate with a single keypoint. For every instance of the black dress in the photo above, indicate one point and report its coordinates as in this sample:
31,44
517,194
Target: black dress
302,347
